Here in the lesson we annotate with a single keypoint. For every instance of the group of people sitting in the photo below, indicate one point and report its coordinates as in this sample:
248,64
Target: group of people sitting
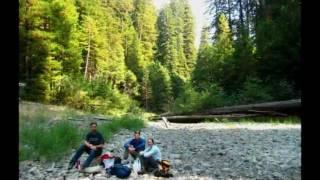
149,157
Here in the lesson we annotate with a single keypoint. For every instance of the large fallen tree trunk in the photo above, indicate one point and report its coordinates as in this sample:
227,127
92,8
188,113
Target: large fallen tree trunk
201,117
279,106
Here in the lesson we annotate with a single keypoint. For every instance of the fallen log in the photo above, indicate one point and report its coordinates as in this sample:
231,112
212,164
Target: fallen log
279,106
102,118
73,119
94,118
201,117
272,113
284,107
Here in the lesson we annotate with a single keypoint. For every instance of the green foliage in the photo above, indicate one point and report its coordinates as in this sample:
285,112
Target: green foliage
62,41
45,37
188,100
175,44
144,21
254,91
134,56
223,41
241,65
212,59
177,83
131,123
192,100
215,97
188,37
39,142
283,90
161,90
113,56
204,39
146,90
279,51
202,74
97,96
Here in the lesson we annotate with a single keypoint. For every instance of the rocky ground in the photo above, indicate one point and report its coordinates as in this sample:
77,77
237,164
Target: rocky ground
204,151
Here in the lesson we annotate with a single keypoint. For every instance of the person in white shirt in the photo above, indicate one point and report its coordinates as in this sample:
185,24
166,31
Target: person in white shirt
150,158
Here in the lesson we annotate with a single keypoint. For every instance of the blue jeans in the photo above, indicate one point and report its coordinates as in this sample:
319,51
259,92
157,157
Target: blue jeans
92,154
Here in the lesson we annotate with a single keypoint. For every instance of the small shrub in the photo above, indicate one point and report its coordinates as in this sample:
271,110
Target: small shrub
189,100
282,90
79,100
254,91
127,122
215,97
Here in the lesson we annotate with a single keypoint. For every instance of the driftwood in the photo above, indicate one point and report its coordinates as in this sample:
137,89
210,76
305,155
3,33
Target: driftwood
165,121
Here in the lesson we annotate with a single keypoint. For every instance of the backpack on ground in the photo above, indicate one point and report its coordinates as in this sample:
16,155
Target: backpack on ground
164,169
121,171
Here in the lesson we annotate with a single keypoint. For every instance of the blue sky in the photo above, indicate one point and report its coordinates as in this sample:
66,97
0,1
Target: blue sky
198,10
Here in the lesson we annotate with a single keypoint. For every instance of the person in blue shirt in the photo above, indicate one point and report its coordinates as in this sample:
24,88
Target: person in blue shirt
150,158
134,146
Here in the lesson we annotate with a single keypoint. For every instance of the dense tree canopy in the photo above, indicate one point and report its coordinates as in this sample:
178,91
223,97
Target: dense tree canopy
121,55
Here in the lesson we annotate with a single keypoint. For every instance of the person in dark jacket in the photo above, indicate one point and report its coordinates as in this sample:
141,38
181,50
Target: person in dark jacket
134,146
93,145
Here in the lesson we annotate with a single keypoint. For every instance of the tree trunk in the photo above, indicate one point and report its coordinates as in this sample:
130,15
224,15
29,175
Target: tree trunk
126,44
229,14
241,16
140,31
26,57
247,17
146,95
88,56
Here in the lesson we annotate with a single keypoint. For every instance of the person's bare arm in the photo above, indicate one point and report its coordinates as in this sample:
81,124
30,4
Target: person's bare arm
99,146
87,144
131,148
